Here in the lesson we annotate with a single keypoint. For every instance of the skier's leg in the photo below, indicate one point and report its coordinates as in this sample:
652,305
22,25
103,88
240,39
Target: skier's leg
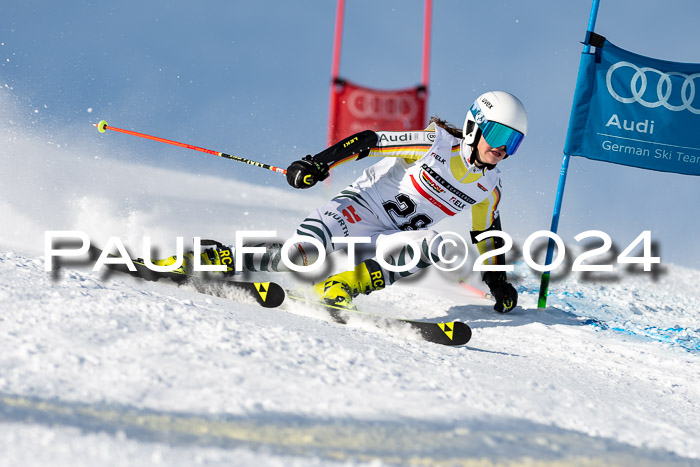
369,275
216,254
341,217
400,254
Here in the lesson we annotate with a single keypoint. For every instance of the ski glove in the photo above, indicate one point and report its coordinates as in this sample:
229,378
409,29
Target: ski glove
306,172
505,294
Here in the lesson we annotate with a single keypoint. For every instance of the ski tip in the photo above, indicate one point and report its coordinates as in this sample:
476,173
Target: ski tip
101,127
457,332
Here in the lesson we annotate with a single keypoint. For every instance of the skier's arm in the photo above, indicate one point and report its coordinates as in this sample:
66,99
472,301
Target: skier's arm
485,217
409,145
306,172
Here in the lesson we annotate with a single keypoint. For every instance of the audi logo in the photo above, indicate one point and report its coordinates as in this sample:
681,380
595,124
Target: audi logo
362,104
664,87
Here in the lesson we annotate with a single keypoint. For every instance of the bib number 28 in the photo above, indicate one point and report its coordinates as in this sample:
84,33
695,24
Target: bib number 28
404,210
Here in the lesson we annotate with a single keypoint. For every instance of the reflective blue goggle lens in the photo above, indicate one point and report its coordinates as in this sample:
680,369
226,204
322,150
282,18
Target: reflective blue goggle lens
498,135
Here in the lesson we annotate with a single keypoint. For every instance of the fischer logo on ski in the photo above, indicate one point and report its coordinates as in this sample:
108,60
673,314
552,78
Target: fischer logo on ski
262,288
447,328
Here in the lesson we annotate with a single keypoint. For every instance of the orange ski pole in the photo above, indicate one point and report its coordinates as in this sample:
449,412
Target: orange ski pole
102,127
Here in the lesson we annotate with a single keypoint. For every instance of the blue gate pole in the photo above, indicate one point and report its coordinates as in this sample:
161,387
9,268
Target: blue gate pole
544,283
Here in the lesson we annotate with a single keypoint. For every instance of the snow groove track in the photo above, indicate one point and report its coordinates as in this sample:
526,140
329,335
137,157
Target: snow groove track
417,443
684,338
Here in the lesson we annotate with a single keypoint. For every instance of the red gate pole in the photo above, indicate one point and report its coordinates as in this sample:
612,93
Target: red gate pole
427,21
337,40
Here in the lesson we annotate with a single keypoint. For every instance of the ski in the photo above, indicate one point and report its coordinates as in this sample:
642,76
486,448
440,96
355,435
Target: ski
450,333
272,295
265,294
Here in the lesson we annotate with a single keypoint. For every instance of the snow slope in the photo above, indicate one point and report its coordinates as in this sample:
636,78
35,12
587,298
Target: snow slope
122,372
130,372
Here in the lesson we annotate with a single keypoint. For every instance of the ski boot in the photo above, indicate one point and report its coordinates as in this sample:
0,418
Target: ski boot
338,290
218,255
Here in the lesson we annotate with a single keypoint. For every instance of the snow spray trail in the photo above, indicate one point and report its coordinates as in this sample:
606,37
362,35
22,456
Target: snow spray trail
66,179
396,442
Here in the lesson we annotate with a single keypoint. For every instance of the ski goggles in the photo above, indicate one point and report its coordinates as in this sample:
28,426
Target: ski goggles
496,134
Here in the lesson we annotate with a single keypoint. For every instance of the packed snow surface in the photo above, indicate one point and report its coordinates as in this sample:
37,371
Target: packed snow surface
124,371
117,371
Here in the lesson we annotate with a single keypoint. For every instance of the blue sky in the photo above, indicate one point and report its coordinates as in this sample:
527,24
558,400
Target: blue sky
251,79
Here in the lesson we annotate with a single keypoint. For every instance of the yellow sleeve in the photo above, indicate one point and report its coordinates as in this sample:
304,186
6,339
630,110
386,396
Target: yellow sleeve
484,214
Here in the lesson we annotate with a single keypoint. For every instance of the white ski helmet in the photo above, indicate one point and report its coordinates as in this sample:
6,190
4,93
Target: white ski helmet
500,118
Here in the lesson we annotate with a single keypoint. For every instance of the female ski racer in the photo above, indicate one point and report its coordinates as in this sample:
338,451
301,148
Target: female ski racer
423,178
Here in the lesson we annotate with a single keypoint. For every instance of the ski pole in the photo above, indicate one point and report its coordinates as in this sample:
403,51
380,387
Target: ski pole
102,127
475,291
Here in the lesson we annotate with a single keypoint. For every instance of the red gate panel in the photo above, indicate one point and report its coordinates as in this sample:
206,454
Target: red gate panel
357,108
